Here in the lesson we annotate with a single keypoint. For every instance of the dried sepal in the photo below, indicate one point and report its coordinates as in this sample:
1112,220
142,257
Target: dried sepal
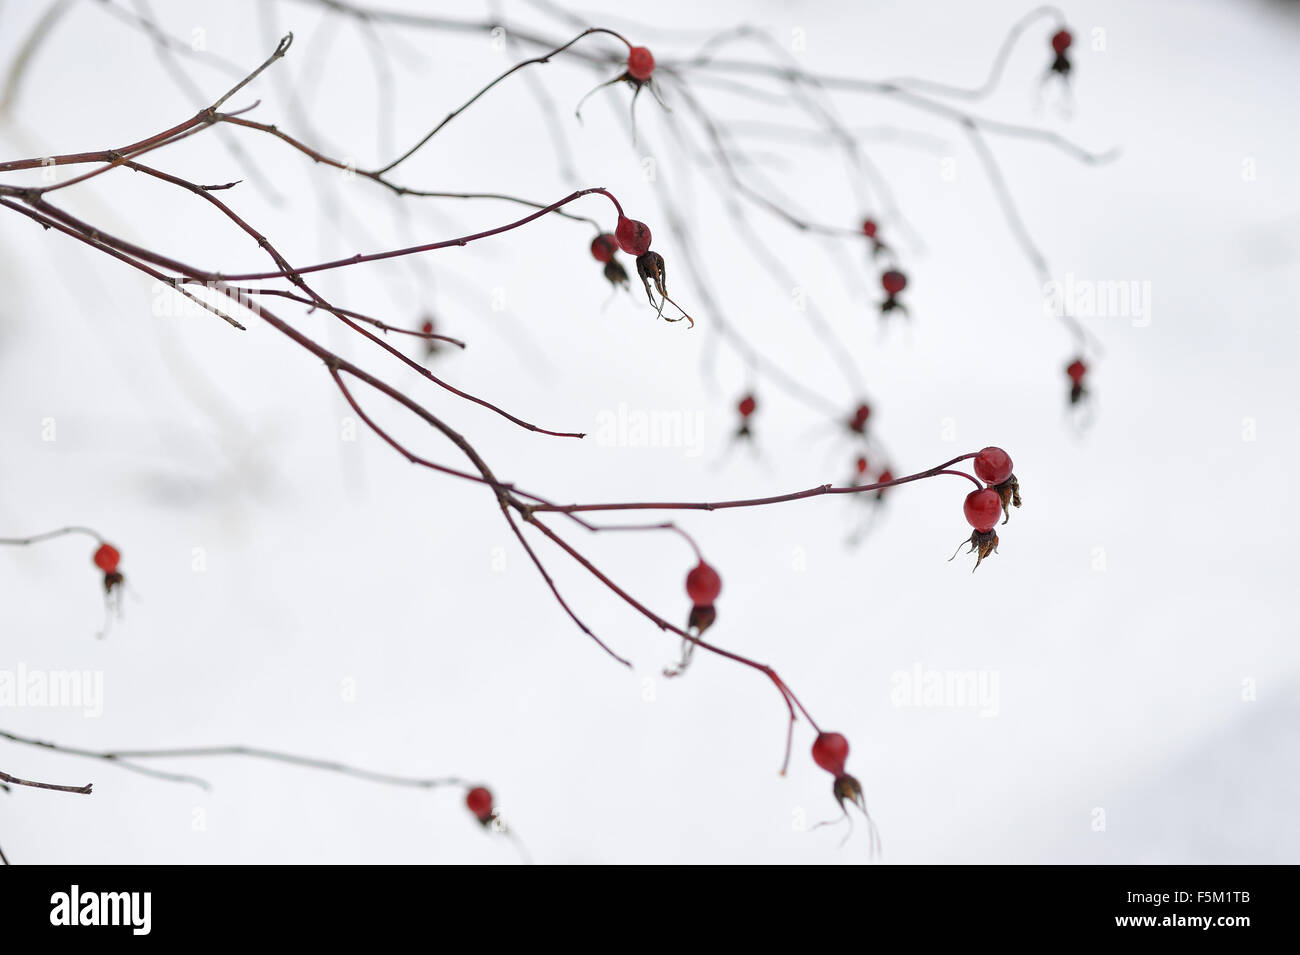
654,275
615,274
1009,493
982,543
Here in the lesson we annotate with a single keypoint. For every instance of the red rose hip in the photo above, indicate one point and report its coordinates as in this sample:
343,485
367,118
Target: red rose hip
703,585
640,63
830,751
893,281
993,465
603,247
479,801
983,508
1061,41
107,558
633,237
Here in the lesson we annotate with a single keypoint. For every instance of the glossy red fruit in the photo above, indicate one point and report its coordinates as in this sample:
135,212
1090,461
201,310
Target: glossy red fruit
983,508
893,281
747,406
860,416
427,328
107,558
862,465
830,751
885,477
993,465
703,585
1076,370
640,63
1061,41
869,228
479,801
633,237
603,247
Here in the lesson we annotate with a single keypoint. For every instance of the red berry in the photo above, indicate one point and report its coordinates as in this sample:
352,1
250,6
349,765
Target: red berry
983,508
869,228
107,558
860,416
703,585
830,751
893,281
993,465
603,247
633,237
862,465
885,477
1076,370
747,406
479,801
1061,41
640,63
427,328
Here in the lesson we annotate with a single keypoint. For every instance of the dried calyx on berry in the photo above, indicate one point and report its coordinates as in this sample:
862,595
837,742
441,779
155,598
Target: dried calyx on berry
746,408
1076,371
870,229
830,751
638,73
1061,41
634,237
993,467
703,585
893,282
107,558
982,508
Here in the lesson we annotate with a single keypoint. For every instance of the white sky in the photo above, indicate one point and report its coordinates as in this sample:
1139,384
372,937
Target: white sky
330,561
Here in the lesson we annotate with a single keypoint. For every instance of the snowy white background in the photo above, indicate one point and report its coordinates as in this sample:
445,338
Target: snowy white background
329,561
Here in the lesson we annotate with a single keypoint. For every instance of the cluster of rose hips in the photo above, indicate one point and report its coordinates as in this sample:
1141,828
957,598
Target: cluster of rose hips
1061,41
857,425
983,507
892,280
862,475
